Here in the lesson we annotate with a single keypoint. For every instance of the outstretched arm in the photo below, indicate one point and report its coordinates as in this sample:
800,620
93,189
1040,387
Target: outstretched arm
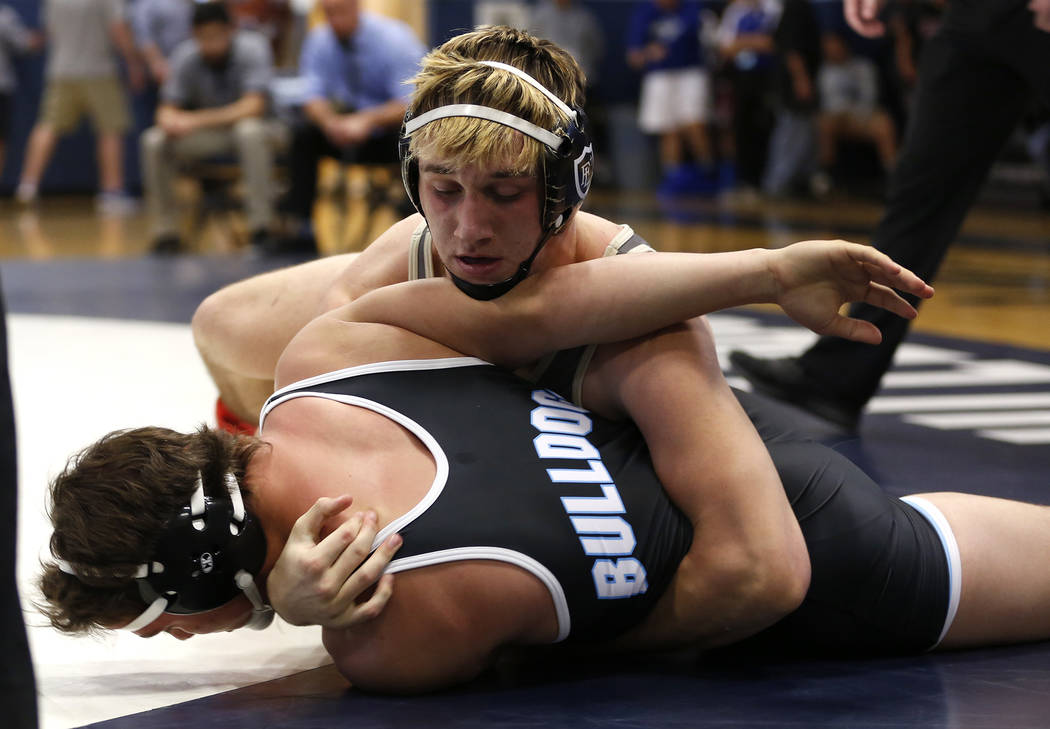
616,298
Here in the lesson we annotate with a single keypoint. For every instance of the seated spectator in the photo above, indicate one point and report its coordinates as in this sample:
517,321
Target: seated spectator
355,67
664,44
849,108
15,38
213,104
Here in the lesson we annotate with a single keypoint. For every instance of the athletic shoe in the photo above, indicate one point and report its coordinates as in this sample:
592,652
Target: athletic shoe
116,204
784,379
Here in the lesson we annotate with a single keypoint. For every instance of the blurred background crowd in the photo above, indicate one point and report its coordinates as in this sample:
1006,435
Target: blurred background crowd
132,100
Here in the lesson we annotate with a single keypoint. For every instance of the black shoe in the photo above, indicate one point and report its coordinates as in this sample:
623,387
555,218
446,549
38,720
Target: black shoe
166,245
783,379
266,245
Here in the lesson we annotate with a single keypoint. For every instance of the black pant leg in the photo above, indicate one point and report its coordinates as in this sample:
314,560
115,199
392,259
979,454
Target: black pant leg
968,102
309,145
17,686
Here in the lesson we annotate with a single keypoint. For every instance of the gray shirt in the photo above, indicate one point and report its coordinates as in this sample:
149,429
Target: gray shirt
193,84
575,29
162,23
14,40
78,37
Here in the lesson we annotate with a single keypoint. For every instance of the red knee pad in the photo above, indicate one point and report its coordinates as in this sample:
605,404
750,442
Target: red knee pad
230,422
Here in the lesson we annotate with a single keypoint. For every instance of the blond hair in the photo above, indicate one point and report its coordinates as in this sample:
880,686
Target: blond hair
451,74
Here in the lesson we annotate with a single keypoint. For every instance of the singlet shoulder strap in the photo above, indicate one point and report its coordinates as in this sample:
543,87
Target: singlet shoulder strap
627,241
420,257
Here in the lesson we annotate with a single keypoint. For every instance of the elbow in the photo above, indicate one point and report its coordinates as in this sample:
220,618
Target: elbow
769,585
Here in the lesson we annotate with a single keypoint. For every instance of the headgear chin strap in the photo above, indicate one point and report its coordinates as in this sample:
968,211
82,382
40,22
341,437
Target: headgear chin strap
206,556
568,167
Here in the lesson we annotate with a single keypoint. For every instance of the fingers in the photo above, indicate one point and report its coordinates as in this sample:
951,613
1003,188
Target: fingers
308,526
368,574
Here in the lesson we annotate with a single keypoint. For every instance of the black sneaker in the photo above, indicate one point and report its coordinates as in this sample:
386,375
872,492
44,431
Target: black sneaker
783,379
266,245
166,245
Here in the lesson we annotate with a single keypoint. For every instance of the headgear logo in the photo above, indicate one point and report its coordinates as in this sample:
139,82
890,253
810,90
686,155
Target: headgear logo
584,169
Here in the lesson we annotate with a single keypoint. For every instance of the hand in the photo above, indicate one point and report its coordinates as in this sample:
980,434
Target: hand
320,581
158,69
815,278
1041,10
177,123
348,129
863,17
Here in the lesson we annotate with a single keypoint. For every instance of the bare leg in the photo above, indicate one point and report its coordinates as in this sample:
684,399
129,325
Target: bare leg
670,150
41,145
699,142
1003,547
110,146
241,330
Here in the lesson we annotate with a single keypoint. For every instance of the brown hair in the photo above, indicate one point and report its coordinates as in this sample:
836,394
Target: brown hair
109,507
451,74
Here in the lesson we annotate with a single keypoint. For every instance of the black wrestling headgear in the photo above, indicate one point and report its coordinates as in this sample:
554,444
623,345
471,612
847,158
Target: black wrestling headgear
208,553
568,167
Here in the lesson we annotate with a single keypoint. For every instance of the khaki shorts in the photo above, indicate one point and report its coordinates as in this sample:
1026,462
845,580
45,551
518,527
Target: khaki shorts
67,100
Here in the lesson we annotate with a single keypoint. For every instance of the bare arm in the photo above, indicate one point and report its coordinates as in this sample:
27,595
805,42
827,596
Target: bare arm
863,17
252,104
620,297
748,565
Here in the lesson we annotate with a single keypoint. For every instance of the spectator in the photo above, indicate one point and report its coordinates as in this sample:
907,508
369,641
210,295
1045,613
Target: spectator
83,78
793,144
664,43
212,104
355,67
576,29
976,79
15,38
849,109
745,42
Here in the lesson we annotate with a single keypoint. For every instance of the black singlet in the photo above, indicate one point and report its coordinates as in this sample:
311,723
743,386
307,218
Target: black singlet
527,478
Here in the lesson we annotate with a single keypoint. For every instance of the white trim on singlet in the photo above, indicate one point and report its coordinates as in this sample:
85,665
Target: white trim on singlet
420,240
498,554
544,575
944,531
613,249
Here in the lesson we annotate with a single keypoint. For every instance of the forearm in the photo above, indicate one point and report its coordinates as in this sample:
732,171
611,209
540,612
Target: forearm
122,38
592,302
320,111
248,106
386,116
747,565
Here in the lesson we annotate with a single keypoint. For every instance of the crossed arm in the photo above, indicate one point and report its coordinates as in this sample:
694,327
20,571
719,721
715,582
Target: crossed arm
748,565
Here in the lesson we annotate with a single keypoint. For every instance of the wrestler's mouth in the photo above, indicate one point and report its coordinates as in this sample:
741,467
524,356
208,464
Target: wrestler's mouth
480,266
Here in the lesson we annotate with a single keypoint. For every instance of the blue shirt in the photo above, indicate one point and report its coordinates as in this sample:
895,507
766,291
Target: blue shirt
367,71
163,23
678,30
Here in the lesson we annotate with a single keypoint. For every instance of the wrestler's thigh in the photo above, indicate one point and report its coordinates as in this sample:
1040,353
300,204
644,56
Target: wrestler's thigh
1005,581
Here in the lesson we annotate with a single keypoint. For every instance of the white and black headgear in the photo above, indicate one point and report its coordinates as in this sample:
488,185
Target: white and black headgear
208,553
568,166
